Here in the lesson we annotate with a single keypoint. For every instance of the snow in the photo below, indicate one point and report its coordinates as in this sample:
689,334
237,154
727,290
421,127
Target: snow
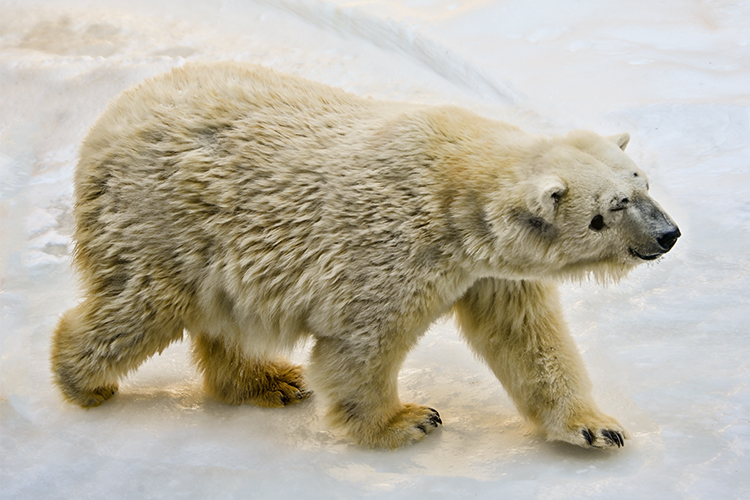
667,348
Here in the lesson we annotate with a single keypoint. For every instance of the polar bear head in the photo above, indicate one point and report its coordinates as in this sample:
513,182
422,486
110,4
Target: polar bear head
583,208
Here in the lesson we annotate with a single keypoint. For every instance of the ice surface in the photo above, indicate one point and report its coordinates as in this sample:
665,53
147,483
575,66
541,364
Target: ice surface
667,348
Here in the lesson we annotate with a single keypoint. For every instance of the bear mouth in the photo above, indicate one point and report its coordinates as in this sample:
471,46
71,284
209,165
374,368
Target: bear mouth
654,256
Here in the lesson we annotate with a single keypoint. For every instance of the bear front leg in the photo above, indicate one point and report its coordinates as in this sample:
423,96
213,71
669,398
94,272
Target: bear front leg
359,381
517,327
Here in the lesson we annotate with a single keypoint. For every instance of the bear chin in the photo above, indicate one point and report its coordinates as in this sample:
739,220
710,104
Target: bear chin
635,253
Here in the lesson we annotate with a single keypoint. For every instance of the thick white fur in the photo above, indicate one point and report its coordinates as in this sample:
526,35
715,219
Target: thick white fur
253,209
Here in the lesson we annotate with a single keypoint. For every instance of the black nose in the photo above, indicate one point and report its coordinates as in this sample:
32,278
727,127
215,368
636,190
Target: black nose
667,240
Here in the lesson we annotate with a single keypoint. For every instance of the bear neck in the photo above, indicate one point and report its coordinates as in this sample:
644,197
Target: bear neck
478,167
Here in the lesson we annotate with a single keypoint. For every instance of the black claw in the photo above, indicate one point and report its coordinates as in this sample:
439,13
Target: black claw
588,436
435,417
620,438
302,394
610,436
422,428
614,437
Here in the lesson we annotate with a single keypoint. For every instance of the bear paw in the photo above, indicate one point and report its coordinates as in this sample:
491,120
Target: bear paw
92,398
281,390
604,438
599,433
271,384
410,424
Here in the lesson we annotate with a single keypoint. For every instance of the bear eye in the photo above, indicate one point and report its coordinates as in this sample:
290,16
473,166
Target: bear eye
621,205
597,223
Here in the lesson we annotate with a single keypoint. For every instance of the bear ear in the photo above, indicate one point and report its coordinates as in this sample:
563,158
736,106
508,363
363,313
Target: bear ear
621,140
551,191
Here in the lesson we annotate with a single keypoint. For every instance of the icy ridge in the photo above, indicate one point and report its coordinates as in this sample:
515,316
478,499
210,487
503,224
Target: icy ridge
394,35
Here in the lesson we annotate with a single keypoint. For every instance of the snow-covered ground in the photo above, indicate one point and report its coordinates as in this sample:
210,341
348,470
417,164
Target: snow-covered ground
668,349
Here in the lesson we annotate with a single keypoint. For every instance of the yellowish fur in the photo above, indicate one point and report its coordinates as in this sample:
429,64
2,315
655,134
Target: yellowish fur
253,209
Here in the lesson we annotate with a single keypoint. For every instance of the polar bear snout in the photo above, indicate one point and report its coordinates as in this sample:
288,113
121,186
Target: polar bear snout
668,239
655,232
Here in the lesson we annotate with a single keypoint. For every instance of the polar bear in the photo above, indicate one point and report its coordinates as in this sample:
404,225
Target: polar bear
253,209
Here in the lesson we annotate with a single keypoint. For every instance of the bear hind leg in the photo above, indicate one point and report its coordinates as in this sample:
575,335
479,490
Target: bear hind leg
73,371
233,377
95,345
